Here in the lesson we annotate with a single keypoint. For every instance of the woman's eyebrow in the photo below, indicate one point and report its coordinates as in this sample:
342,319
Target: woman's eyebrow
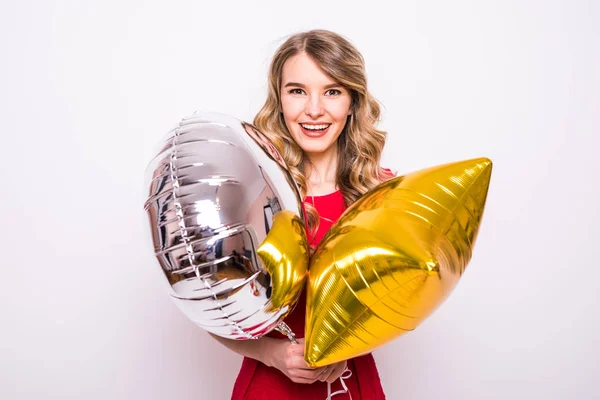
301,85
294,84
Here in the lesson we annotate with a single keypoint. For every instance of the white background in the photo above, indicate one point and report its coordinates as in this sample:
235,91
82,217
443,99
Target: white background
88,88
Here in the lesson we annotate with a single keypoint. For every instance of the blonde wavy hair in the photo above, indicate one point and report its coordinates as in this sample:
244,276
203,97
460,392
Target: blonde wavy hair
360,144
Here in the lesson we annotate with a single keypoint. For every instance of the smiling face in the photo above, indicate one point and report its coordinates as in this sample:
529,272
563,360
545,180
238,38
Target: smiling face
315,107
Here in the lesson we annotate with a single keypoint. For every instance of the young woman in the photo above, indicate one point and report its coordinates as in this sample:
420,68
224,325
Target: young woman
321,117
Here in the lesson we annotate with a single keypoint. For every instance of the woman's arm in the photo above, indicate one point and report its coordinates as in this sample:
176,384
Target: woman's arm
285,356
257,349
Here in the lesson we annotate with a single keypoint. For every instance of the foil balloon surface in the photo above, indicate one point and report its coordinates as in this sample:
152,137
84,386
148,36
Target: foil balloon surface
392,258
227,226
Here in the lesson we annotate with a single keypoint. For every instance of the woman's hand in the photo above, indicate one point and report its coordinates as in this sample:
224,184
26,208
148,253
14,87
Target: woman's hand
336,369
289,359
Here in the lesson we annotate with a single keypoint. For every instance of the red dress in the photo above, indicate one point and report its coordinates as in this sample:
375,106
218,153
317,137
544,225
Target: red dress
256,381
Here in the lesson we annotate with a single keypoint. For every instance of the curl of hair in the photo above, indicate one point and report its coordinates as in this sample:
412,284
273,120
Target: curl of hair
360,144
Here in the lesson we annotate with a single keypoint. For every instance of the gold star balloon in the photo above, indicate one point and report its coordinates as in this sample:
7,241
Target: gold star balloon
392,259
284,253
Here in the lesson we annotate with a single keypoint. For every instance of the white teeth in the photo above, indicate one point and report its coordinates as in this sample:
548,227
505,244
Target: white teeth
314,127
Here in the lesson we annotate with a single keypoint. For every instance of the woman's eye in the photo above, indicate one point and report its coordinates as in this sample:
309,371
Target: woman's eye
333,92
296,91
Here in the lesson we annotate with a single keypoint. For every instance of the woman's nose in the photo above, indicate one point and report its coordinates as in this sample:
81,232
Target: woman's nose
314,107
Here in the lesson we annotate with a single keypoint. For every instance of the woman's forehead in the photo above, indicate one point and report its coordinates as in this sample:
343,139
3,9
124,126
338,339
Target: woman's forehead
302,71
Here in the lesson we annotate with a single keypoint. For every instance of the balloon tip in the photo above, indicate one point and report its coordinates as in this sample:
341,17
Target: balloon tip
487,161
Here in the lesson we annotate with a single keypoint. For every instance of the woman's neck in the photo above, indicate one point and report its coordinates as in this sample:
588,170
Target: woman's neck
321,171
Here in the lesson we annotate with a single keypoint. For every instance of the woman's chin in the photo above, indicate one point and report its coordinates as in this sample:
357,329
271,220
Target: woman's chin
315,145
314,148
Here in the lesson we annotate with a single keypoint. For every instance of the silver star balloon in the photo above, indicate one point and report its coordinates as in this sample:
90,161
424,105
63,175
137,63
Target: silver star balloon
227,226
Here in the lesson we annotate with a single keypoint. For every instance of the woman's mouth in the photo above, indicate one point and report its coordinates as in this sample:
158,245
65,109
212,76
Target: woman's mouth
314,130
